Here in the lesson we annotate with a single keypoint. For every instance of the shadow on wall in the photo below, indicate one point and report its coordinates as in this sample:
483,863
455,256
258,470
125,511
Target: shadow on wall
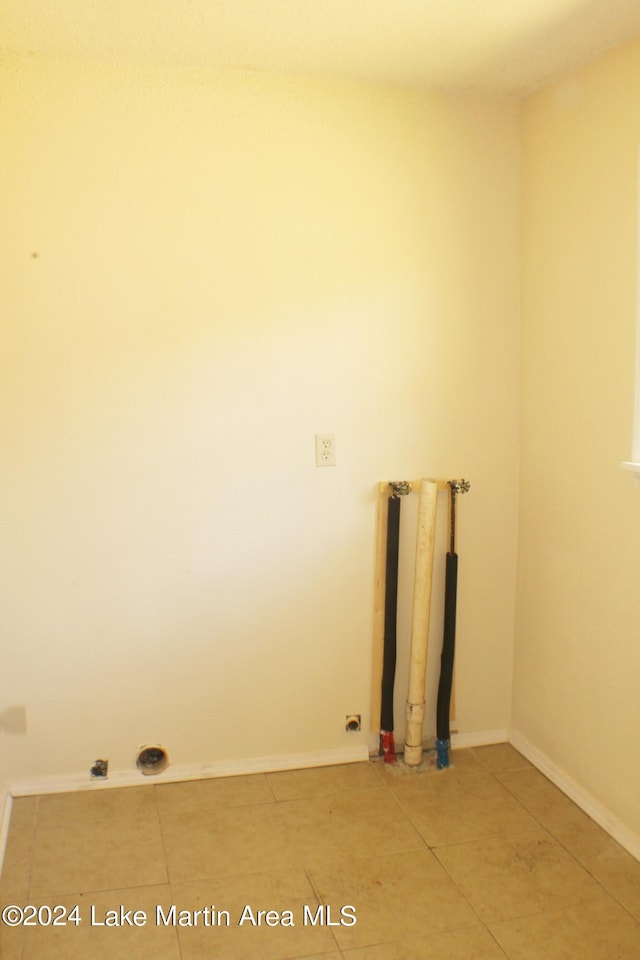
14,720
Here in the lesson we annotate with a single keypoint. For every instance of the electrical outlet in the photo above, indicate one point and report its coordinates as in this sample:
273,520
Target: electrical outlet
325,450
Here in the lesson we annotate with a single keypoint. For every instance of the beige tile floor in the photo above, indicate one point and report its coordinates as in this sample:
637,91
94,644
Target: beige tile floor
484,861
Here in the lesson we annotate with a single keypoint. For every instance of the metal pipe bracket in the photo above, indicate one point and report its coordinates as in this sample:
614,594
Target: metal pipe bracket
460,486
400,488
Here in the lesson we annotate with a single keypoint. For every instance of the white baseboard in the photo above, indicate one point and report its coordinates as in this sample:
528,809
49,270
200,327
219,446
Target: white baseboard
5,819
196,771
592,807
481,738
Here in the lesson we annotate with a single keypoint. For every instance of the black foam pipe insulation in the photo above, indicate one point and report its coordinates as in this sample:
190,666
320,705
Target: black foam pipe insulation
390,614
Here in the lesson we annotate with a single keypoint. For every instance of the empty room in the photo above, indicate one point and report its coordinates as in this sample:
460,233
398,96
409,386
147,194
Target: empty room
279,283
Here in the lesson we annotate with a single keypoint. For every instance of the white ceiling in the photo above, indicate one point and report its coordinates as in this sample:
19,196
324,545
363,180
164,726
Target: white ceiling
486,46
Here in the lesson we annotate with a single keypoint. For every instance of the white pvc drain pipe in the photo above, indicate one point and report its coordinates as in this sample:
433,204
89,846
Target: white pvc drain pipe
420,621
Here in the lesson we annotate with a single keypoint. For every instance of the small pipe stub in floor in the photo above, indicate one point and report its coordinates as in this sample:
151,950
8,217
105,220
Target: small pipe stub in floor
151,760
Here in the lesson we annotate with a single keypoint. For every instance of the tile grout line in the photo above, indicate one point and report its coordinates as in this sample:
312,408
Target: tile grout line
494,774
169,884
160,831
431,849
558,840
567,849
34,835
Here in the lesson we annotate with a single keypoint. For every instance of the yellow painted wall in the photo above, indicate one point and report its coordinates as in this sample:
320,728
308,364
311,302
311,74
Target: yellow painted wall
577,657
199,271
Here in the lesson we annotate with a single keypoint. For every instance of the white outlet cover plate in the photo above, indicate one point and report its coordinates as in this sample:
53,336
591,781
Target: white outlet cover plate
325,450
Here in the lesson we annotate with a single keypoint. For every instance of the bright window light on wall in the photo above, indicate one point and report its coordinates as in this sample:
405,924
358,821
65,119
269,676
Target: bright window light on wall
634,463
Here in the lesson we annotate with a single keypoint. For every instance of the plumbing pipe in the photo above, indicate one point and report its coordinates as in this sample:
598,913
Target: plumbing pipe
387,744
443,732
445,685
420,621
378,610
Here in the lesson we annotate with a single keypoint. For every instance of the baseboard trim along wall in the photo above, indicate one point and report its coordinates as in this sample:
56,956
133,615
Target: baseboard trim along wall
598,813
5,819
195,771
481,738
